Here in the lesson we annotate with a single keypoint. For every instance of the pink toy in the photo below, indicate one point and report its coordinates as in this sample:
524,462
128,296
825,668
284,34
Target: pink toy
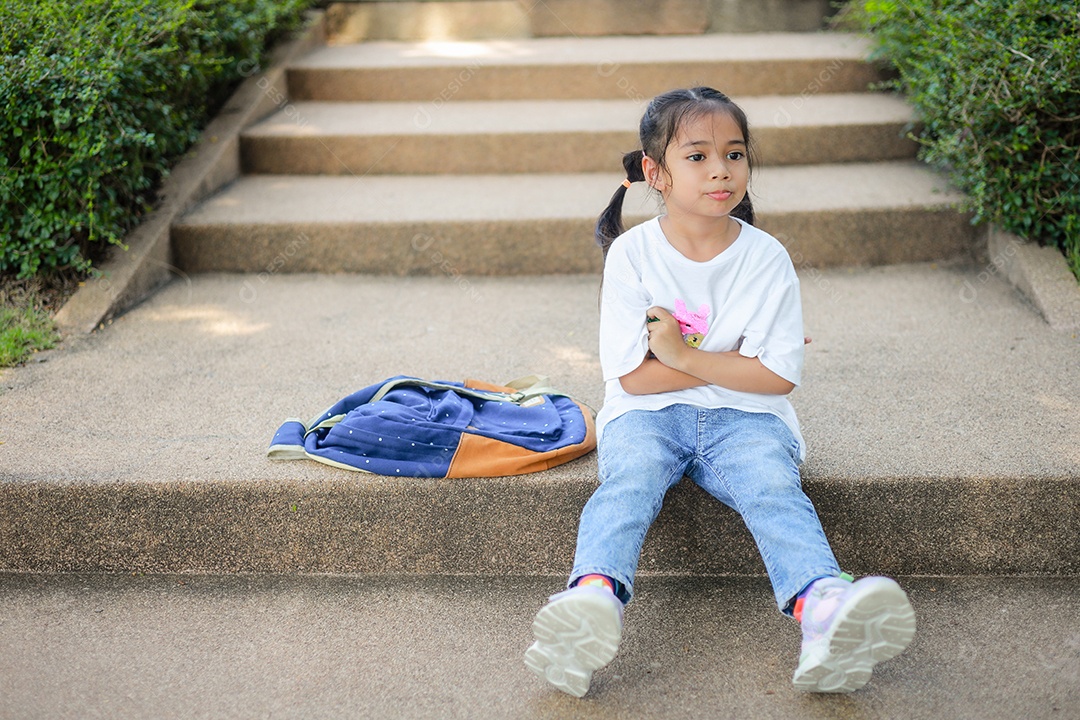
694,325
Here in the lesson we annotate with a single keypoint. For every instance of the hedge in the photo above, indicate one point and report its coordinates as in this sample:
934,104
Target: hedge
97,99
997,86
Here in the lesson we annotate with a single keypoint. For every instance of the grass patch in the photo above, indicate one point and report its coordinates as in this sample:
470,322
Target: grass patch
26,326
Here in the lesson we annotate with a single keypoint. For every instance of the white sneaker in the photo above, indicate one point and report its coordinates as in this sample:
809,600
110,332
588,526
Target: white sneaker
577,632
847,629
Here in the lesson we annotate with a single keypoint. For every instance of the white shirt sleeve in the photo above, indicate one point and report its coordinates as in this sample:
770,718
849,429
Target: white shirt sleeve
624,341
774,333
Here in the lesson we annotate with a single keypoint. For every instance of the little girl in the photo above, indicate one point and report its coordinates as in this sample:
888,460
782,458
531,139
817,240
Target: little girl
710,406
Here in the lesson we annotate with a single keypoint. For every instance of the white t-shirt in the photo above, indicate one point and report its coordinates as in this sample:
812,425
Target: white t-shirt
746,298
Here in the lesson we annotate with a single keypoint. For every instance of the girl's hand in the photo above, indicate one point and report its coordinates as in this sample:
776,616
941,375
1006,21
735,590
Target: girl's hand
665,336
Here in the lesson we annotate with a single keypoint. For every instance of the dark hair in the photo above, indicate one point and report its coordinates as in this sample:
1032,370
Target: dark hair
659,126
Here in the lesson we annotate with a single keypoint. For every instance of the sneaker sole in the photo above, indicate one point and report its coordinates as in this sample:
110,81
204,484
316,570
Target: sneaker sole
574,637
878,626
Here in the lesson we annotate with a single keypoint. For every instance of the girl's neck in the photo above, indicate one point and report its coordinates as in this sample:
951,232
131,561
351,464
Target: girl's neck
700,240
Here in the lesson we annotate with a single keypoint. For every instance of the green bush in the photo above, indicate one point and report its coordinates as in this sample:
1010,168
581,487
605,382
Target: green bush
997,84
97,99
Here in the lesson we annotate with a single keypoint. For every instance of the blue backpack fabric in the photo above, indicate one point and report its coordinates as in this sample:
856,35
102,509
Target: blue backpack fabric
410,427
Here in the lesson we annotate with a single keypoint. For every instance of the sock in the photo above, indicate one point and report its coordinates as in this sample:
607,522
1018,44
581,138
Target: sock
800,600
597,580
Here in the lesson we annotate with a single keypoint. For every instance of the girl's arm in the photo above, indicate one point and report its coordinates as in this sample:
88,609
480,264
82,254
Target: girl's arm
653,376
681,366
733,371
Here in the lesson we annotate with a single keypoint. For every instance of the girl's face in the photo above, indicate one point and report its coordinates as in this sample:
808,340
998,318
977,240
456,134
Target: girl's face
707,168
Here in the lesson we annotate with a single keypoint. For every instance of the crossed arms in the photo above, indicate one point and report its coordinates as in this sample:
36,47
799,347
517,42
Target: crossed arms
674,365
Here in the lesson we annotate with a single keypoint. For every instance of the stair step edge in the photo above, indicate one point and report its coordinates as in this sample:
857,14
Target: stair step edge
270,199
306,119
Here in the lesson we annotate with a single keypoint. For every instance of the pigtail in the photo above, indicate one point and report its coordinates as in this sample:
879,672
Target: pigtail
609,225
744,210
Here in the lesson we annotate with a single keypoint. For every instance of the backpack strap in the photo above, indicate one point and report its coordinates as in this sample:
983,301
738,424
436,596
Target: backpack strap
534,386
417,382
525,389
530,387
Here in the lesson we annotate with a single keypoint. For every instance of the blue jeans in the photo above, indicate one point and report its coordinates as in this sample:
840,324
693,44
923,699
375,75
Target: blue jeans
748,461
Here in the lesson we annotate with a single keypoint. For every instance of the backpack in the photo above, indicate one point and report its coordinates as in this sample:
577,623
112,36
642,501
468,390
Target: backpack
410,427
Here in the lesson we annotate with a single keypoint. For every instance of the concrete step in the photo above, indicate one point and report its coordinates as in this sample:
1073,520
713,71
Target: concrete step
141,448
163,647
352,22
554,136
828,215
614,68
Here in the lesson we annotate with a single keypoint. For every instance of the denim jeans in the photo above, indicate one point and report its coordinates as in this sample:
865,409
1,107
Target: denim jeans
746,460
